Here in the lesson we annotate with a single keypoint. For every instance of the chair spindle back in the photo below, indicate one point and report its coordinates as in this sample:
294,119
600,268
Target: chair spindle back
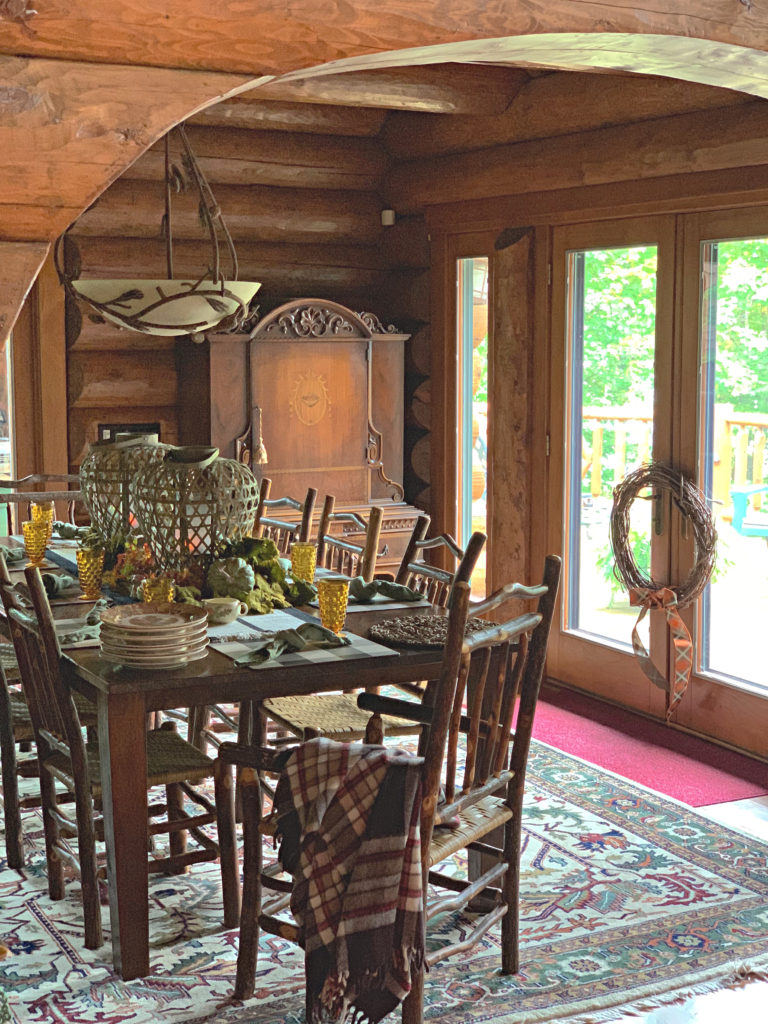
343,556
436,582
281,531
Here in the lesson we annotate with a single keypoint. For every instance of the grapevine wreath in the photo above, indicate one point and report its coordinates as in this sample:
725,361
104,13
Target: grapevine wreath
647,593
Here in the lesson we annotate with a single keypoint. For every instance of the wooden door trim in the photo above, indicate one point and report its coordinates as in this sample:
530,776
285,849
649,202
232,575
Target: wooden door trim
447,248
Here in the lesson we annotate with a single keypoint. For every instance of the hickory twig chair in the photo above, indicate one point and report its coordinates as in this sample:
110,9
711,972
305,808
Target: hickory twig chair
64,756
498,674
344,556
253,760
269,524
337,716
434,581
16,729
23,492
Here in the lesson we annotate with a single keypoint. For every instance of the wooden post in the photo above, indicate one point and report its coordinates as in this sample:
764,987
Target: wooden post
509,431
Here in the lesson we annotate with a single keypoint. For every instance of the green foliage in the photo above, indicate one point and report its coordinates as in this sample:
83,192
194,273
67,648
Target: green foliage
619,326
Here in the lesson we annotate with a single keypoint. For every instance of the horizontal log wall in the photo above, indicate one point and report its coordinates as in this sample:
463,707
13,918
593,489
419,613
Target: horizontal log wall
299,187
302,186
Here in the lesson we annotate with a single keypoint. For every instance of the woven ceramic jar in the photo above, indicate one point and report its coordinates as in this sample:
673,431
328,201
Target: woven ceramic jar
106,478
191,503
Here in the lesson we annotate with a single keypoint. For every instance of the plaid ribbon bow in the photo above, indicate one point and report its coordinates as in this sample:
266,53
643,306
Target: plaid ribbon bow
664,599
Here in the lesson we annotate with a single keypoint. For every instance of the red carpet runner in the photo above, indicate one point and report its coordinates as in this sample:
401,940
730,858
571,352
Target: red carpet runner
671,762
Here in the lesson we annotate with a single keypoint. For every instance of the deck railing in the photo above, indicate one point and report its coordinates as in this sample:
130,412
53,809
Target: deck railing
617,437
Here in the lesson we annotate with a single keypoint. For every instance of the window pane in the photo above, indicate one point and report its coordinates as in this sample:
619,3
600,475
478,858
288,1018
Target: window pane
733,455
473,403
611,323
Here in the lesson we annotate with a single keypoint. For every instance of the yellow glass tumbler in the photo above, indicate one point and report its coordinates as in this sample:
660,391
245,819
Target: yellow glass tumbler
43,512
332,594
157,588
35,541
90,566
303,561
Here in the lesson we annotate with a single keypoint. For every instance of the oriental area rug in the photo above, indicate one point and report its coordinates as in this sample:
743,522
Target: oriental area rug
629,900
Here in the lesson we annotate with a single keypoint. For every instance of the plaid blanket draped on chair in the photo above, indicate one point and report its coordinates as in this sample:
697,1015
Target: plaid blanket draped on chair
348,817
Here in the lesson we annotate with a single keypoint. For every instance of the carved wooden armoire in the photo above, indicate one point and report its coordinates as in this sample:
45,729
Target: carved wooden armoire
321,390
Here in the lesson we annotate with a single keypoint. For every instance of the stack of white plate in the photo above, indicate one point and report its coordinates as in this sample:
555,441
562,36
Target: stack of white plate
154,635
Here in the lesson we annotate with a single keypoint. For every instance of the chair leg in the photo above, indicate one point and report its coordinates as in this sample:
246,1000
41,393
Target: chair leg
14,850
413,1004
86,848
251,909
54,865
510,923
177,841
225,819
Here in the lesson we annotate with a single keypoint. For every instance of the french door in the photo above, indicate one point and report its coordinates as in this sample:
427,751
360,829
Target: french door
660,352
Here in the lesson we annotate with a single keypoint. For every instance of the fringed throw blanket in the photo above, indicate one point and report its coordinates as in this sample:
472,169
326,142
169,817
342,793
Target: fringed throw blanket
348,817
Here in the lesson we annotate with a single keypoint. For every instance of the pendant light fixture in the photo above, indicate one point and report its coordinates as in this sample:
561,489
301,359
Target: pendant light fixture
173,306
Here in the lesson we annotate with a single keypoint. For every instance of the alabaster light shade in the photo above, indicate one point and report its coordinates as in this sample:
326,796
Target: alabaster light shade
167,307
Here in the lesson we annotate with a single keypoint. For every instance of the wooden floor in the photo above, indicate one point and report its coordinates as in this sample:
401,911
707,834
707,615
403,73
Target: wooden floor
746,1005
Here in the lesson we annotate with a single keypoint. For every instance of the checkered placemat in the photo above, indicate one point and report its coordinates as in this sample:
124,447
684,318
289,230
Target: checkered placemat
233,641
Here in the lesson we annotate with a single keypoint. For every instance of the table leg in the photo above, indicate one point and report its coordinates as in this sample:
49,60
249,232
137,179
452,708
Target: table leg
123,756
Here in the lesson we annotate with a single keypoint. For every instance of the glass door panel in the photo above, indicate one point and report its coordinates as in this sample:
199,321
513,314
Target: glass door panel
611,399
611,331
733,456
472,321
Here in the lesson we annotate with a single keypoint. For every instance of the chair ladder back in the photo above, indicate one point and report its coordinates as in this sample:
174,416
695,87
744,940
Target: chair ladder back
25,491
281,531
442,706
434,581
51,705
533,674
342,555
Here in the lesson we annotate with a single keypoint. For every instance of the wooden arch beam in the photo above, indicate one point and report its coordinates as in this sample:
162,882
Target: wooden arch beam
101,80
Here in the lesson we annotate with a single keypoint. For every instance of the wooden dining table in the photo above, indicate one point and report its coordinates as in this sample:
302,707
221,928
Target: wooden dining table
124,697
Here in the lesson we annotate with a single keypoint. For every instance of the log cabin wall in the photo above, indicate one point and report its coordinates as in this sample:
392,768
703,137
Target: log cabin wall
302,186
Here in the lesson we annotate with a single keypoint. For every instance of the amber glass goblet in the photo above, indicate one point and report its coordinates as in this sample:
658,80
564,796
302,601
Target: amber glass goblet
332,597
90,566
158,589
43,512
303,561
35,541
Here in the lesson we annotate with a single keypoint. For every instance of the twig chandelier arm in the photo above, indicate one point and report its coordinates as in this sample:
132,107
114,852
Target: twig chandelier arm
172,307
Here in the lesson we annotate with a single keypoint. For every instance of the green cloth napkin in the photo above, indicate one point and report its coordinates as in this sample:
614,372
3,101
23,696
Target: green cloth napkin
55,583
68,531
12,554
363,592
309,635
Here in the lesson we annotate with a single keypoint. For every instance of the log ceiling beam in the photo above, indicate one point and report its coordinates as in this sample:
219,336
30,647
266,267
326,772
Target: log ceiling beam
19,265
273,37
431,89
90,84
68,130
255,113
558,103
